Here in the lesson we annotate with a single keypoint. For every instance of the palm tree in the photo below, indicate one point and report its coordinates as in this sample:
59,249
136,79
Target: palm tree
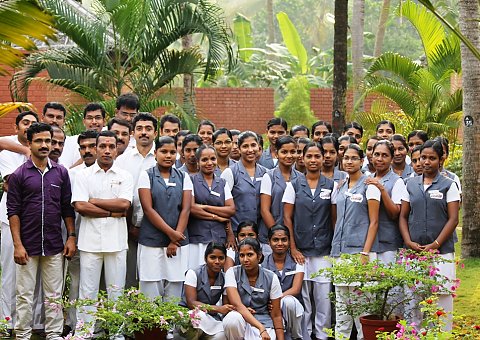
130,45
358,27
382,25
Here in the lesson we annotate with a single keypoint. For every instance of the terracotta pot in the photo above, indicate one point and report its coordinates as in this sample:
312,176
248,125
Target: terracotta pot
371,325
151,334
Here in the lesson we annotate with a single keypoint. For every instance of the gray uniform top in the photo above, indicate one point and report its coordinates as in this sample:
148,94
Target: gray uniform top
204,231
407,172
288,271
428,211
312,218
185,170
266,159
339,175
246,194
276,206
257,298
388,235
218,171
352,219
167,202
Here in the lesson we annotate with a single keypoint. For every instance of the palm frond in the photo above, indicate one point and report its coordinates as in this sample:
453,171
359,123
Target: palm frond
394,64
445,58
400,95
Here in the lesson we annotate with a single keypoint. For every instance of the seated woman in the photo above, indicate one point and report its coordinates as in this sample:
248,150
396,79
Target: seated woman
290,275
251,288
245,229
205,286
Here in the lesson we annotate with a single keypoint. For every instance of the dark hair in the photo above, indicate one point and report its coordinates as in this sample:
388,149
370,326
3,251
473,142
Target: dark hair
246,134
417,148
357,148
330,140
170,118
277,121
37,128
106,133
200,149
375,137
93,107
248,223
353,125
297,128
283,141
444,142
181,133
388,144
211,246
191,138
119,121
234,132
349,138
418,133
55,106
255,244
435,145
221,131
383,122
163,140
205,122
312,145
278,227
129,100
56,128
303,140
319,123
87,134
145,117
260,141
21,115
399,138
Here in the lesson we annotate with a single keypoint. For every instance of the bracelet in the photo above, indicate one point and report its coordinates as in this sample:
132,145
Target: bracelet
364,253
263,331
109,214
436,242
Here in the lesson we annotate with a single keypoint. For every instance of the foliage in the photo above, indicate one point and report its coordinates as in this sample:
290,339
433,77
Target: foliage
242,30
21,23
295,109
292,41
376,283
9,107
4,327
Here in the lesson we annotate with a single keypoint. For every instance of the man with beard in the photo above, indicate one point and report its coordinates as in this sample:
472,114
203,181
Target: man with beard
58,142
135,161
122,129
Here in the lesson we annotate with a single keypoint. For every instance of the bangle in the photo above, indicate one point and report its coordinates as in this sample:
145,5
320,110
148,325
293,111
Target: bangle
263,331
364,253
436,242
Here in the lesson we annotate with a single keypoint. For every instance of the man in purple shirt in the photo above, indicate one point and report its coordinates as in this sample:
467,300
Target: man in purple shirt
38,198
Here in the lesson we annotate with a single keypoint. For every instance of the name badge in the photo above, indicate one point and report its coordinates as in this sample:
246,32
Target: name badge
258,179
290,273
435,194
215,287
325,194
171,184
260,290
356,198
54,185
215,193
114,181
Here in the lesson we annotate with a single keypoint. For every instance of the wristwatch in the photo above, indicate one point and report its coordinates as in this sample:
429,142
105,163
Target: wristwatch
74,234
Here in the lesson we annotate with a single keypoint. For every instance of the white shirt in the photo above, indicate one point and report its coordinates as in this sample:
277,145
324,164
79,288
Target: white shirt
133,162
289,194
227,175
275,288
144,182
102,234
72,173
399,191
70,154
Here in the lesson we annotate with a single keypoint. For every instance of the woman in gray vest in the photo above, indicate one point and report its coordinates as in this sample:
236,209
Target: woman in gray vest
204,285
223,143
244,179
212,207
309,214
356,229
299,165
399,162
251,288
245,229
429,214
166,195
276,128
190,144
273,186
290,274
368,168
330,159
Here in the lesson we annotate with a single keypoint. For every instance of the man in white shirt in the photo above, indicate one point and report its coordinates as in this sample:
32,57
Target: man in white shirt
102,194
122,129
135,161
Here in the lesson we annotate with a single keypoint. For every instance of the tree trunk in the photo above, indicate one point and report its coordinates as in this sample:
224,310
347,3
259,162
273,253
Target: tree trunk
270,22
340,65
358,24
381,28
469,25
188,88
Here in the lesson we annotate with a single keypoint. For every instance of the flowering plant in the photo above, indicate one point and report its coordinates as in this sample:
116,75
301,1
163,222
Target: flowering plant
4,327
378,287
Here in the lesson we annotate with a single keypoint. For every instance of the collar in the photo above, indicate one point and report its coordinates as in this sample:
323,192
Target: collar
50,164
150,152
96,168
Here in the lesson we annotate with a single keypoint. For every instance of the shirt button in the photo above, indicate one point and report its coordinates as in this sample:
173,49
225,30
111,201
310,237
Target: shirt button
313,201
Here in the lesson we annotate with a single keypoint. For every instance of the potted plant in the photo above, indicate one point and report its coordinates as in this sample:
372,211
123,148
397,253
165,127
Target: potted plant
375,296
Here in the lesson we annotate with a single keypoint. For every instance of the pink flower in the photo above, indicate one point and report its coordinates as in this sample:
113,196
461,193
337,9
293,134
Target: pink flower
8,318
435,289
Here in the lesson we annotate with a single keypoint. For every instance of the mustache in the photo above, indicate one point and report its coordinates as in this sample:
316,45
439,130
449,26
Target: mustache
43,149
87,155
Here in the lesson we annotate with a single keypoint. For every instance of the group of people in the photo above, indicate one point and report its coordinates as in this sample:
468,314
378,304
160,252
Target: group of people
211,217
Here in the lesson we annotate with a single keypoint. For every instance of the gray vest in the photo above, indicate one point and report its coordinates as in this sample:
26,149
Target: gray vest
428,211
167,202
339,175
205,293
312,216
407,172
276,206
258,297
204,231
388,235
352,219
287,276
266,159
246,194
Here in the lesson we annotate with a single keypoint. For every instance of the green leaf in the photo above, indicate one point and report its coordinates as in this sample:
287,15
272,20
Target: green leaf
242,29
292,40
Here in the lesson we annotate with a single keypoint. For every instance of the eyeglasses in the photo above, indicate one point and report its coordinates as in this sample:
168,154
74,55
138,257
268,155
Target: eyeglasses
353,159
220,143
94,118
127,115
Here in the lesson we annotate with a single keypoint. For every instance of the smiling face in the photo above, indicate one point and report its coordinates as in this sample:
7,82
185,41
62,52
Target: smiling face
320,132
274,132
287,154
165,155
430,161
170,129
189,153
400,152
413,142
208,161
352,162
279,242
144,133
215,260
223,145
54,117
313,159
369,150
385,131
206,134
41,144
123,136
94,120
355,133
23,125
249,149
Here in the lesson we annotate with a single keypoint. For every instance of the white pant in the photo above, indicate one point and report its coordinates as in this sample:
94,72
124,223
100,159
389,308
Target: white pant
344,322
318,306
236,328
74,271
51,268
115,268
164,288
7,294
293,314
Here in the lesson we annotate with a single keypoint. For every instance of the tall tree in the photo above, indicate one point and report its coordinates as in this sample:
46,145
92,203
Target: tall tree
340,65
469,25
270,22
358,24
382,26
